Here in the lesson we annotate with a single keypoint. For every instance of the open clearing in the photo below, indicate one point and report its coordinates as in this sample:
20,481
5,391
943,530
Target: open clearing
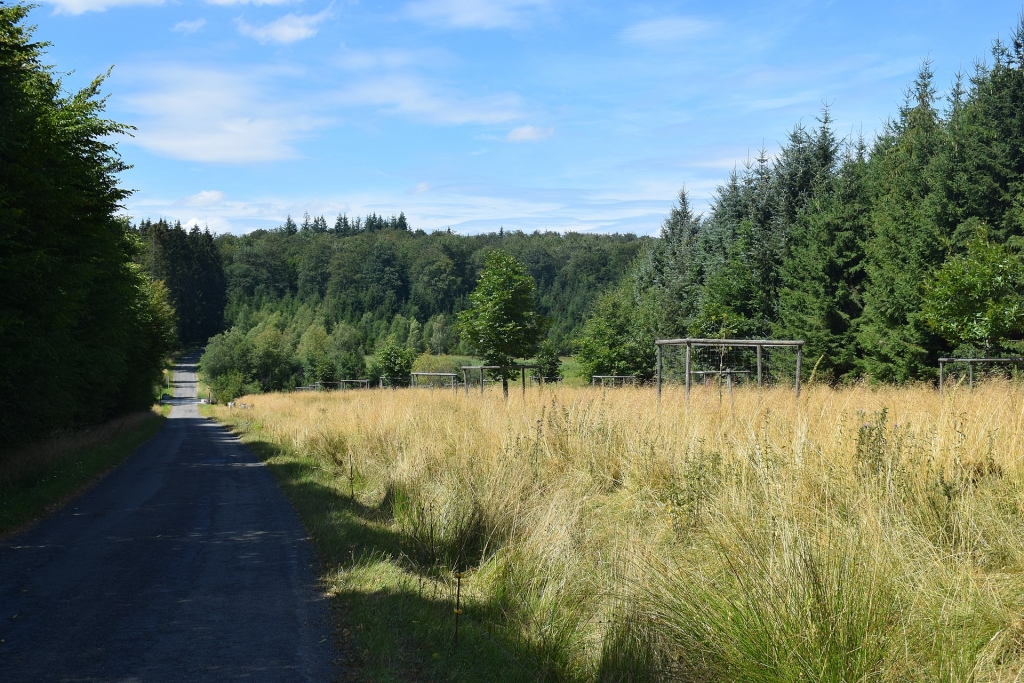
853,534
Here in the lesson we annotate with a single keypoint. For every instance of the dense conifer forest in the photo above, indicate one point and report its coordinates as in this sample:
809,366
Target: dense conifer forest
83,333
882,254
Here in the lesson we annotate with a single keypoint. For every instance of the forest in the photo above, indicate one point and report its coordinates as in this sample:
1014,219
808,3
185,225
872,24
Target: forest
84,334
307,302
882,254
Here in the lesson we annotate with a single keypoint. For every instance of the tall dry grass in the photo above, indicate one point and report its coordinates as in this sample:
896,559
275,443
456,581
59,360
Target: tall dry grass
860,534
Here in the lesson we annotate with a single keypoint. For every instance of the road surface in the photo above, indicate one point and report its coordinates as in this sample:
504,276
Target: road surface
186,563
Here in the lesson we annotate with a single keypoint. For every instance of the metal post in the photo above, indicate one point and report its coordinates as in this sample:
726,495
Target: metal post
940,376
524,382
799,367
659,371
970,373
481,381
687,369
758,366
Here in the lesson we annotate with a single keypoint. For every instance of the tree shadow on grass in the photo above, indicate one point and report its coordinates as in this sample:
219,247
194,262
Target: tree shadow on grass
402,627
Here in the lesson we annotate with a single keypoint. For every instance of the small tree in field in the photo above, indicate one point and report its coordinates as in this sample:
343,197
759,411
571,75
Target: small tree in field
502,322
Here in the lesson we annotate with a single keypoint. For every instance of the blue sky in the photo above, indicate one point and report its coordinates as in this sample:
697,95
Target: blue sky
475,114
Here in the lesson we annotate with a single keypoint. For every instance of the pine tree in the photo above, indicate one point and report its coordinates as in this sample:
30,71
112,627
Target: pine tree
904,243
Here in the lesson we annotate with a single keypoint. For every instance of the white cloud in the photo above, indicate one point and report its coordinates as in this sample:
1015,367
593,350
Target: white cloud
288,29
408,95
207,115
528,134
474,13
204,198
82,6
187,27
665,30
420,188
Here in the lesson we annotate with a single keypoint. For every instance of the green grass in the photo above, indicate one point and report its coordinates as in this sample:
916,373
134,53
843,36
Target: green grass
39,478
394,612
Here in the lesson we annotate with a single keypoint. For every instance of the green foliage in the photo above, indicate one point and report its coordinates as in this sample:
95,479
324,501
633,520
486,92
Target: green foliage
549,362
617,338
392,360
191,266
502,323
314,352
866,253
82,334
977,298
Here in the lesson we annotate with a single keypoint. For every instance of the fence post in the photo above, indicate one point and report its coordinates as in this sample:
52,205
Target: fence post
524,381
799,364
658,346
481,381
970,373
940,376
687,369
758,366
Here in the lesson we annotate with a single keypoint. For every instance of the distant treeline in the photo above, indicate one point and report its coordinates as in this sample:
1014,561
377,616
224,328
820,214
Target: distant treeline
83,332
301,293
189,264
882,256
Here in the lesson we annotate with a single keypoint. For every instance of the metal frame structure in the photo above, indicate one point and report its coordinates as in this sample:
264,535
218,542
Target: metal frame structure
452,383
970,366
759,344
481,368
623,379
361,383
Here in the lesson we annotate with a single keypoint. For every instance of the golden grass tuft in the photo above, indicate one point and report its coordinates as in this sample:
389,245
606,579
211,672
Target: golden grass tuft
856,534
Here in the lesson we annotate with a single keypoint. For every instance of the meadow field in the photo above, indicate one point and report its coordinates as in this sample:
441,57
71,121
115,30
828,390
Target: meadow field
854,534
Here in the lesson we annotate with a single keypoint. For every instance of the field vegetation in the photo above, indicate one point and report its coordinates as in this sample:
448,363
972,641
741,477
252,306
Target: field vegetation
854,534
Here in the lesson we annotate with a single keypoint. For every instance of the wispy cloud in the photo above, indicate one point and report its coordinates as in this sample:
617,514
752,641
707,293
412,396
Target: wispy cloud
187,27
288,29
198,114
413,96
248,2
528,134
665,30
486,14
391,59
83,6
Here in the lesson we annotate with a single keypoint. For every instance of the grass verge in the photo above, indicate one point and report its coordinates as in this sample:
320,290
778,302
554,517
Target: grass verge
41,477
394,614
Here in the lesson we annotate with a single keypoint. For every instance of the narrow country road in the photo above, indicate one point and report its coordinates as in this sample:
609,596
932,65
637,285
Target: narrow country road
186,563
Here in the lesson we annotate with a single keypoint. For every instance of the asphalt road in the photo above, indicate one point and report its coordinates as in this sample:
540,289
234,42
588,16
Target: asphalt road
186,563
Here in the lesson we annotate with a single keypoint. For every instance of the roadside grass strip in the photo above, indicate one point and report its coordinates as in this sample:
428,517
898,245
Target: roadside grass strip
41,477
